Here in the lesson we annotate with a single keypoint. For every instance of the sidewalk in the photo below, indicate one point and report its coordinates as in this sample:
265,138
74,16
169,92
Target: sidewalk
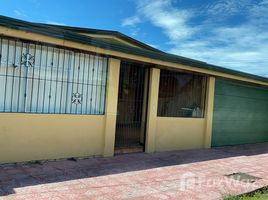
192,174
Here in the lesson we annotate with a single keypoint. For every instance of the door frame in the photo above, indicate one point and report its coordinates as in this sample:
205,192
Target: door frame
144,111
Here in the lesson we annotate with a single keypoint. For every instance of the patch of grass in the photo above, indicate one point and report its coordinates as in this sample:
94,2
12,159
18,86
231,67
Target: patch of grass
261,194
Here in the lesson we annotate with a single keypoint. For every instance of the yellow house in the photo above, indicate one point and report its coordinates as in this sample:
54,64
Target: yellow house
77,92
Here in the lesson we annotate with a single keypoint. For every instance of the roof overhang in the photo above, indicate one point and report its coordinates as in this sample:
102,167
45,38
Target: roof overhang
56,35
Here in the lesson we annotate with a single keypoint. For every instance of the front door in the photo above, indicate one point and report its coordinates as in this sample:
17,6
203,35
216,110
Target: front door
131,110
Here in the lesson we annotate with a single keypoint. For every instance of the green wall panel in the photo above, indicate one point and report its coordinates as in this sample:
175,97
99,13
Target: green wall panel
240,114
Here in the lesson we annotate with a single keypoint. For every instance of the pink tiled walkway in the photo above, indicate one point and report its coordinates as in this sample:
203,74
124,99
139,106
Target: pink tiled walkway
195,174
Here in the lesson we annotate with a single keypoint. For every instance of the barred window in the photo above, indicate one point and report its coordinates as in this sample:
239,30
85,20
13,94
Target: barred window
38,78
181,95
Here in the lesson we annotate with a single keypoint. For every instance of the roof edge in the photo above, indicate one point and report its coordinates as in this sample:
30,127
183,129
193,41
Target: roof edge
116,34
83,39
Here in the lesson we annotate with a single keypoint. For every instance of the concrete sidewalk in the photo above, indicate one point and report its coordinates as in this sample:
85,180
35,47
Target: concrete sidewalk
193,174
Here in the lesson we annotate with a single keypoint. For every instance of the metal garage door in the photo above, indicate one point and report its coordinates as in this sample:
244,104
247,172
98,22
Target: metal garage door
240,114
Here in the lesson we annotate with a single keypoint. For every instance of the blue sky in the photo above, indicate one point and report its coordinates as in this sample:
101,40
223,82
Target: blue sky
229,33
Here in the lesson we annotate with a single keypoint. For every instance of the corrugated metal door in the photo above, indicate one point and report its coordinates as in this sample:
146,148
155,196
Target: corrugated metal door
240,114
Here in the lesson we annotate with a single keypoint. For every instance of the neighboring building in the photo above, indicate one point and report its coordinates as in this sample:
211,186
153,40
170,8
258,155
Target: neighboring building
77,92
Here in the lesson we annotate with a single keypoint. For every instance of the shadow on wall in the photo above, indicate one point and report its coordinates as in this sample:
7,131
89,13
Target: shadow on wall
17,176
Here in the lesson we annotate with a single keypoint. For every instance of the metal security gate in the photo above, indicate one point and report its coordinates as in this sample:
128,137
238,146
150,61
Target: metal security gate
43,78
132,104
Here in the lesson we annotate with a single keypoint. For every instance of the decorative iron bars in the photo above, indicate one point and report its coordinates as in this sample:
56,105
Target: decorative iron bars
131,110
39,78
181,94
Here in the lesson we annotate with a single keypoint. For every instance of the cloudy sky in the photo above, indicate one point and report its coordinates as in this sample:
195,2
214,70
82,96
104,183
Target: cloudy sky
229,33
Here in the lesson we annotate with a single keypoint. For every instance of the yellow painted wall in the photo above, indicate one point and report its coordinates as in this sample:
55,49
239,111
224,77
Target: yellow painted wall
152,110
209,111
26,137
179,133
111,106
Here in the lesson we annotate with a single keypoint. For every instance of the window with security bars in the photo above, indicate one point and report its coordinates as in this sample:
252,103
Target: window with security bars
181,94
39,78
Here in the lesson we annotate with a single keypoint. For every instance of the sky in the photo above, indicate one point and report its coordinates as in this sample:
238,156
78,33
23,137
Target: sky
228,33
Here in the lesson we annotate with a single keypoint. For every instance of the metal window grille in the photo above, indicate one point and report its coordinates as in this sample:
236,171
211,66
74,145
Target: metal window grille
181,94
130,122
39,78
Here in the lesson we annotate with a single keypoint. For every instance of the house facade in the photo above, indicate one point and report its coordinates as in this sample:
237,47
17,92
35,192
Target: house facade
76,92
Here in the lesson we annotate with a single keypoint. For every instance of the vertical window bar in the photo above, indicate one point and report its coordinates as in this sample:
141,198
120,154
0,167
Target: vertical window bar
72,81
100,85
57,80
140,74
71,55
78,80
5,94
95,95
104,82
26,80
83,79
96,84
93,92
33,79
44,87
62,83
204,94
92,85
86,75
88,82
39,77
51,78
20,77
13,75
80,84
105,85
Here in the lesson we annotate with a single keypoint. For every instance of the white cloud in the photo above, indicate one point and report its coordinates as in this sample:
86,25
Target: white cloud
55,23
162,14
134,31
131,21
242,47
228,7
19,13
259,13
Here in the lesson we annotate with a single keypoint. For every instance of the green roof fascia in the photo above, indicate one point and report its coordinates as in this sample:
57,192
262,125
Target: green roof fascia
75,37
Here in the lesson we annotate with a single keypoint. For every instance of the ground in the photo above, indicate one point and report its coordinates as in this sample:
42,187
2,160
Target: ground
192,174
261,194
